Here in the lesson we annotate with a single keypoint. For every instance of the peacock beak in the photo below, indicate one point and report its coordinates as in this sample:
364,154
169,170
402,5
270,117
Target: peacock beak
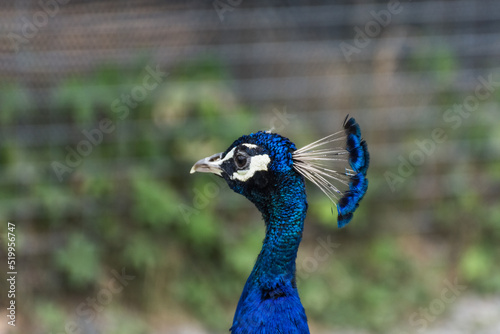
210,164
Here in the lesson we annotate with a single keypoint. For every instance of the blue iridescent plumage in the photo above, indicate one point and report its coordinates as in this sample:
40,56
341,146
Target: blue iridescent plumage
359,160
268,170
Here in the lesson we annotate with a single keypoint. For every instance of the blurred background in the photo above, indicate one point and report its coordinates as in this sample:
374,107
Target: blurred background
106,105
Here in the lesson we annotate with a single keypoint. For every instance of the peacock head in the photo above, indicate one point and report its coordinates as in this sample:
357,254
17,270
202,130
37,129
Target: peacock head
261,165
254,165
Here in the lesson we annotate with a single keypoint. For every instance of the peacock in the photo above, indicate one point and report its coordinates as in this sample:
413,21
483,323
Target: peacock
269,170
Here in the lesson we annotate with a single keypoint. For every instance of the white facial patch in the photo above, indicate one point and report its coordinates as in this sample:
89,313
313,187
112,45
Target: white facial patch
257,163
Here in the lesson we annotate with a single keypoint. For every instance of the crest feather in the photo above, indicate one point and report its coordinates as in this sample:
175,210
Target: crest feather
337,164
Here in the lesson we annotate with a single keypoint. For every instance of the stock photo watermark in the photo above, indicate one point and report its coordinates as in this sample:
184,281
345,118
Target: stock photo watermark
372,29
121,109
322,252
30,26
88,310
420,320
11,273
223,6
453,117
202,197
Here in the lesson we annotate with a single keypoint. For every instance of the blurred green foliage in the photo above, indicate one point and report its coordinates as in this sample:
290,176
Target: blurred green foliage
79,260
190,242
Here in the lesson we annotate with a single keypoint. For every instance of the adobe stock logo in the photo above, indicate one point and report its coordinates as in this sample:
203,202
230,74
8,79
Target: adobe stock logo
88,310
372,29
221,7
426,315
322,252
453,118
31,27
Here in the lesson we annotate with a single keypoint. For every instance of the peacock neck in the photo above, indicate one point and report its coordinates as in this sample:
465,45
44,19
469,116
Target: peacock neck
284,217
270,297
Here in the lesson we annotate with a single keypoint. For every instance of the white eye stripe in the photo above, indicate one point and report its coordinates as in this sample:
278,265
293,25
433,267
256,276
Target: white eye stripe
250,145
228,156
257,163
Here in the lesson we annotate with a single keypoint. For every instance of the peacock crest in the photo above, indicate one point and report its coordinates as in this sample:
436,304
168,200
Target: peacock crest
337,164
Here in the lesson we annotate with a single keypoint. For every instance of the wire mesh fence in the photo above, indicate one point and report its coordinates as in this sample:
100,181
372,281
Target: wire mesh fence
105,105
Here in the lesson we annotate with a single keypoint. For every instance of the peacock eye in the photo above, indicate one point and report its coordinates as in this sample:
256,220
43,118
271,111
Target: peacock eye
241,160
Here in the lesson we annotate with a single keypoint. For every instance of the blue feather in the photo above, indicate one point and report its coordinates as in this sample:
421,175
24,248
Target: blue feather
359,159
